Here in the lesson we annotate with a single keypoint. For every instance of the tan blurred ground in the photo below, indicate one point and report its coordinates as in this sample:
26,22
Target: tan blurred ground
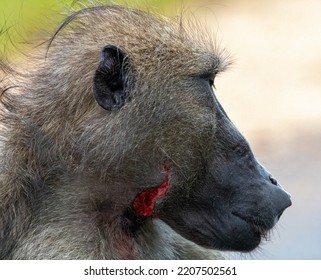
273,94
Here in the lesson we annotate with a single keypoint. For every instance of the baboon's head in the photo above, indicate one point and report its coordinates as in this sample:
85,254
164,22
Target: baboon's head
146,122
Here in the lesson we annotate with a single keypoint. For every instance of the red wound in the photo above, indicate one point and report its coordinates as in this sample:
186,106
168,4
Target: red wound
144,202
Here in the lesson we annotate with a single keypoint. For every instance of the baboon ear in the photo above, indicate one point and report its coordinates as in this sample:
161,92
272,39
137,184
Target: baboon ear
109,83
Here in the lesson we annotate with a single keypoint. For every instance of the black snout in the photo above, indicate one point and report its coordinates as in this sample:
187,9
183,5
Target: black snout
280,198
275,199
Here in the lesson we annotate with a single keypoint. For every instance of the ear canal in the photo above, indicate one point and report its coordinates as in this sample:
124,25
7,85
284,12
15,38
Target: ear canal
108,84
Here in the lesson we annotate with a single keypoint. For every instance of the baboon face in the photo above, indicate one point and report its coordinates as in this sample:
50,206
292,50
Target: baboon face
197,173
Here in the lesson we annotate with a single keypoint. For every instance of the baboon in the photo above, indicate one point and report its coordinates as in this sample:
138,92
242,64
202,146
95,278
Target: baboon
114,146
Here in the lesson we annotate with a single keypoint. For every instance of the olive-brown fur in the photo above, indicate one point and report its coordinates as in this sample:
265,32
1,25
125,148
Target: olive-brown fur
68,168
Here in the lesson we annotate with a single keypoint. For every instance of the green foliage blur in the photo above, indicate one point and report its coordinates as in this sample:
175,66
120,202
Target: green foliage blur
23,20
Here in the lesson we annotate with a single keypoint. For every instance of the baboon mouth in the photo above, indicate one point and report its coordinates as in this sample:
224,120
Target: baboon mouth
258,229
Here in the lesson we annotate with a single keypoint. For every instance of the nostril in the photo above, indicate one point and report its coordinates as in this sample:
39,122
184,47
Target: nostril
273,180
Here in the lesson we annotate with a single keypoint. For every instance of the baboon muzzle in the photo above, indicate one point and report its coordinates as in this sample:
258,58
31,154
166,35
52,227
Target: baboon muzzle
236,201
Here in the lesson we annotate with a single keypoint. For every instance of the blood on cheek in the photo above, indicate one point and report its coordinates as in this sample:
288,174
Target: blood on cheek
145,201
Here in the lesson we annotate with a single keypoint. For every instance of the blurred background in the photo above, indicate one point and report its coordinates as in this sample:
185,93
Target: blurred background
272,93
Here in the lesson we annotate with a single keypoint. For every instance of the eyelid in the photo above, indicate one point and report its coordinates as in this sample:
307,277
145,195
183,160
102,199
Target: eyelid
208,78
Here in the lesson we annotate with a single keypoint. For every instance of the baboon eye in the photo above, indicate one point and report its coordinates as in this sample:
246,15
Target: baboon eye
208,78
211,82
